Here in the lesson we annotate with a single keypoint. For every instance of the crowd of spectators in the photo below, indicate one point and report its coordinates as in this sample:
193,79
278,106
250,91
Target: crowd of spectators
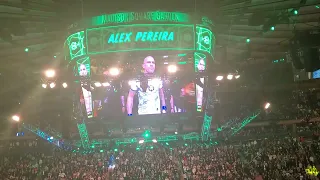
272,152
282,157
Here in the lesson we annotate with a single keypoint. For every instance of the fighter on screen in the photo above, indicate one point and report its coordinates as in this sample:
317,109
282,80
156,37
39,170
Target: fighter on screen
83,72
199,91
86,90
201,65
150,92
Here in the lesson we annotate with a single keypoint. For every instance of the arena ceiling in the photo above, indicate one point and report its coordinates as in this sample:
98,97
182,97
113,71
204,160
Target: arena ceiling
40,27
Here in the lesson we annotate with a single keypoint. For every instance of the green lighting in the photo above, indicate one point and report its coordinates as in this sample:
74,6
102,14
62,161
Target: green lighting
295,12
272,28
75,43
101,150
54,56
205,40
248,40
147,134
82,128
129,17
115,150
206,127
182,62
140,37
26,49
181,55
140,17
317,7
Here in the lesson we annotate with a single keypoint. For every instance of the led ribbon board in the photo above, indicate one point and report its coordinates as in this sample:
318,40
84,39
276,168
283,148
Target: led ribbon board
132,17
129,17
140,37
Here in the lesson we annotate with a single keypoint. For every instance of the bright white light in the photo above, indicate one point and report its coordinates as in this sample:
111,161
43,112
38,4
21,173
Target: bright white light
64,85
51,137
219,78
50,73
267,105
44,85
172,68
156,81
154,140
237,76
176,132
105,84
131,83
16,118
52,85
230,76
141,141
114,71
97,84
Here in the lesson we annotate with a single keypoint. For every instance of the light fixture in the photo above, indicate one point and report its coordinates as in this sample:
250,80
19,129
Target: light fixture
16,118
50,73
172,68
44,85
230,77
114,71
64,85
52,85
97,84
105,84
219,78
267,105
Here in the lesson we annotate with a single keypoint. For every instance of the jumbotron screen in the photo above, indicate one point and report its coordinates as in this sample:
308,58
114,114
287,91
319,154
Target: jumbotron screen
142,85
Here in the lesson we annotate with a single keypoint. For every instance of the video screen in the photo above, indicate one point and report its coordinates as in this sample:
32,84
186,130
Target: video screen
145,85
83,71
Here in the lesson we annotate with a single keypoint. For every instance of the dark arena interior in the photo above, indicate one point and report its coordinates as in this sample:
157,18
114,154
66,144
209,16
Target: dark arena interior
160,90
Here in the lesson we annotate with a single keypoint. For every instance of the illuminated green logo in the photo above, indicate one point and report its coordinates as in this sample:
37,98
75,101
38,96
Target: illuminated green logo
206,39
148,36
140,37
